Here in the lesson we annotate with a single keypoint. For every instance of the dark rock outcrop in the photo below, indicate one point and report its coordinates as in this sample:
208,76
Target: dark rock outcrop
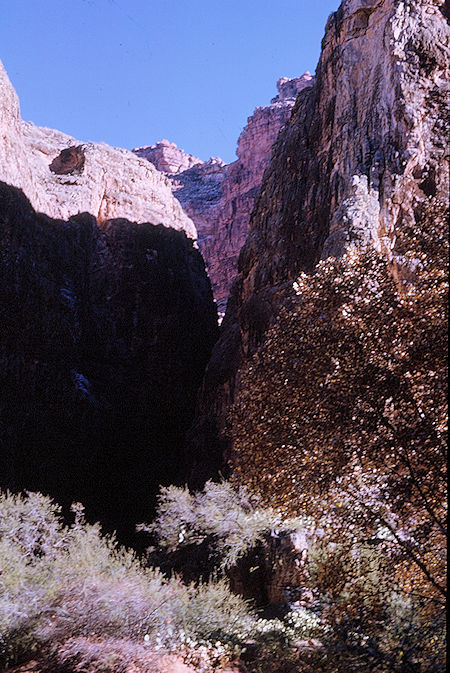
104,336
68,161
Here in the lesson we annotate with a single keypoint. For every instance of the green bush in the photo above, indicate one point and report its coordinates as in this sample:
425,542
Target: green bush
74,598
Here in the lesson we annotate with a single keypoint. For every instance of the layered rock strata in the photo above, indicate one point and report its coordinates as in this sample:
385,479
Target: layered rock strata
220,198
107,183
167,157
104,335
364,147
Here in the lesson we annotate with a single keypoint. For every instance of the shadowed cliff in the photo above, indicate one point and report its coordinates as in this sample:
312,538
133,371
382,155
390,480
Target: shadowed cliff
104,335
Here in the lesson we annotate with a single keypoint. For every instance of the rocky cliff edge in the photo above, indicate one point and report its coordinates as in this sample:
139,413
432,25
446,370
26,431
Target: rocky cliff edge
106,182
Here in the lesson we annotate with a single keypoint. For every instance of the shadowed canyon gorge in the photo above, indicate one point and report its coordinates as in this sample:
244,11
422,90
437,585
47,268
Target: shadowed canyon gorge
154,307
356,152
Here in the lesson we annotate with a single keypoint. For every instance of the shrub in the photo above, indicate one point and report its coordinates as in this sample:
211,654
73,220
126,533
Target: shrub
232,519
80,602
342,413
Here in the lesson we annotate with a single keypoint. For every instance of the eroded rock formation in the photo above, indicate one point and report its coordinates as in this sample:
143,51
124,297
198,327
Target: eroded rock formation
109,183
167,157
220,198
69,161
104,335
364,147
105,323
242,183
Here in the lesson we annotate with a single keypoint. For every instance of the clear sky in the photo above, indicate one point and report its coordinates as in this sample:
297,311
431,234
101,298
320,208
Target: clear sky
131,72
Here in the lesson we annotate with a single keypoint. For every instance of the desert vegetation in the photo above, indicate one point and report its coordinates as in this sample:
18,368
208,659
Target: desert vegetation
342,414
76,600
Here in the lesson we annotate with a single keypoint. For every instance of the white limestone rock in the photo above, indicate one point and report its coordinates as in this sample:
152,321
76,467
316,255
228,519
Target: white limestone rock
113,183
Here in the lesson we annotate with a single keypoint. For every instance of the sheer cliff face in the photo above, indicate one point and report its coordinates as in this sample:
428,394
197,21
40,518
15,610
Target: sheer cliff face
363,144
108,183
364,147
104,336
242,183
105,324
220,198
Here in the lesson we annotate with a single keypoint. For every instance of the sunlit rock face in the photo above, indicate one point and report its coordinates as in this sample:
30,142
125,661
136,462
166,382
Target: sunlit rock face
15,168
108,183
242,183
104,335
167,157
220,198
365,145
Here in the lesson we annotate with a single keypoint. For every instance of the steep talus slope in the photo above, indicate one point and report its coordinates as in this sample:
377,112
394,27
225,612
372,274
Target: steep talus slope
104,335
199,190
108,183
364,147
220,198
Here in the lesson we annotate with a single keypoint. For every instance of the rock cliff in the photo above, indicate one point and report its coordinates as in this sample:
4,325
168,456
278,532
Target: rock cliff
104,335
107,183
241,185
364,147
220,198
167,157
106,324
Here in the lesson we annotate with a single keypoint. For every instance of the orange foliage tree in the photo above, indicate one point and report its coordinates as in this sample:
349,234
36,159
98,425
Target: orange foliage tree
342,412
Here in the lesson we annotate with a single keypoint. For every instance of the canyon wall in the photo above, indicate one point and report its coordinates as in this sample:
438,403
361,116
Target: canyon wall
106,324
363,149
220,198
198,187
104,336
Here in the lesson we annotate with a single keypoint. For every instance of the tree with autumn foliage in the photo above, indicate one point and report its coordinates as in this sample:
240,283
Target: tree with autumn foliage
342,414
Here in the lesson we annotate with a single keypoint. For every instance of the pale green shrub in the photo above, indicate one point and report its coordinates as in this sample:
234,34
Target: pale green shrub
233,520
59,582
65,590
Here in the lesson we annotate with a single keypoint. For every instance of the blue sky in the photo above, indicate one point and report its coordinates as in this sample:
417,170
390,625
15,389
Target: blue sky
131,72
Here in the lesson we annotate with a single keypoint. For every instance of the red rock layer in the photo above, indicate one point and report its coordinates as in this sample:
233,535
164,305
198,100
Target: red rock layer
220,199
